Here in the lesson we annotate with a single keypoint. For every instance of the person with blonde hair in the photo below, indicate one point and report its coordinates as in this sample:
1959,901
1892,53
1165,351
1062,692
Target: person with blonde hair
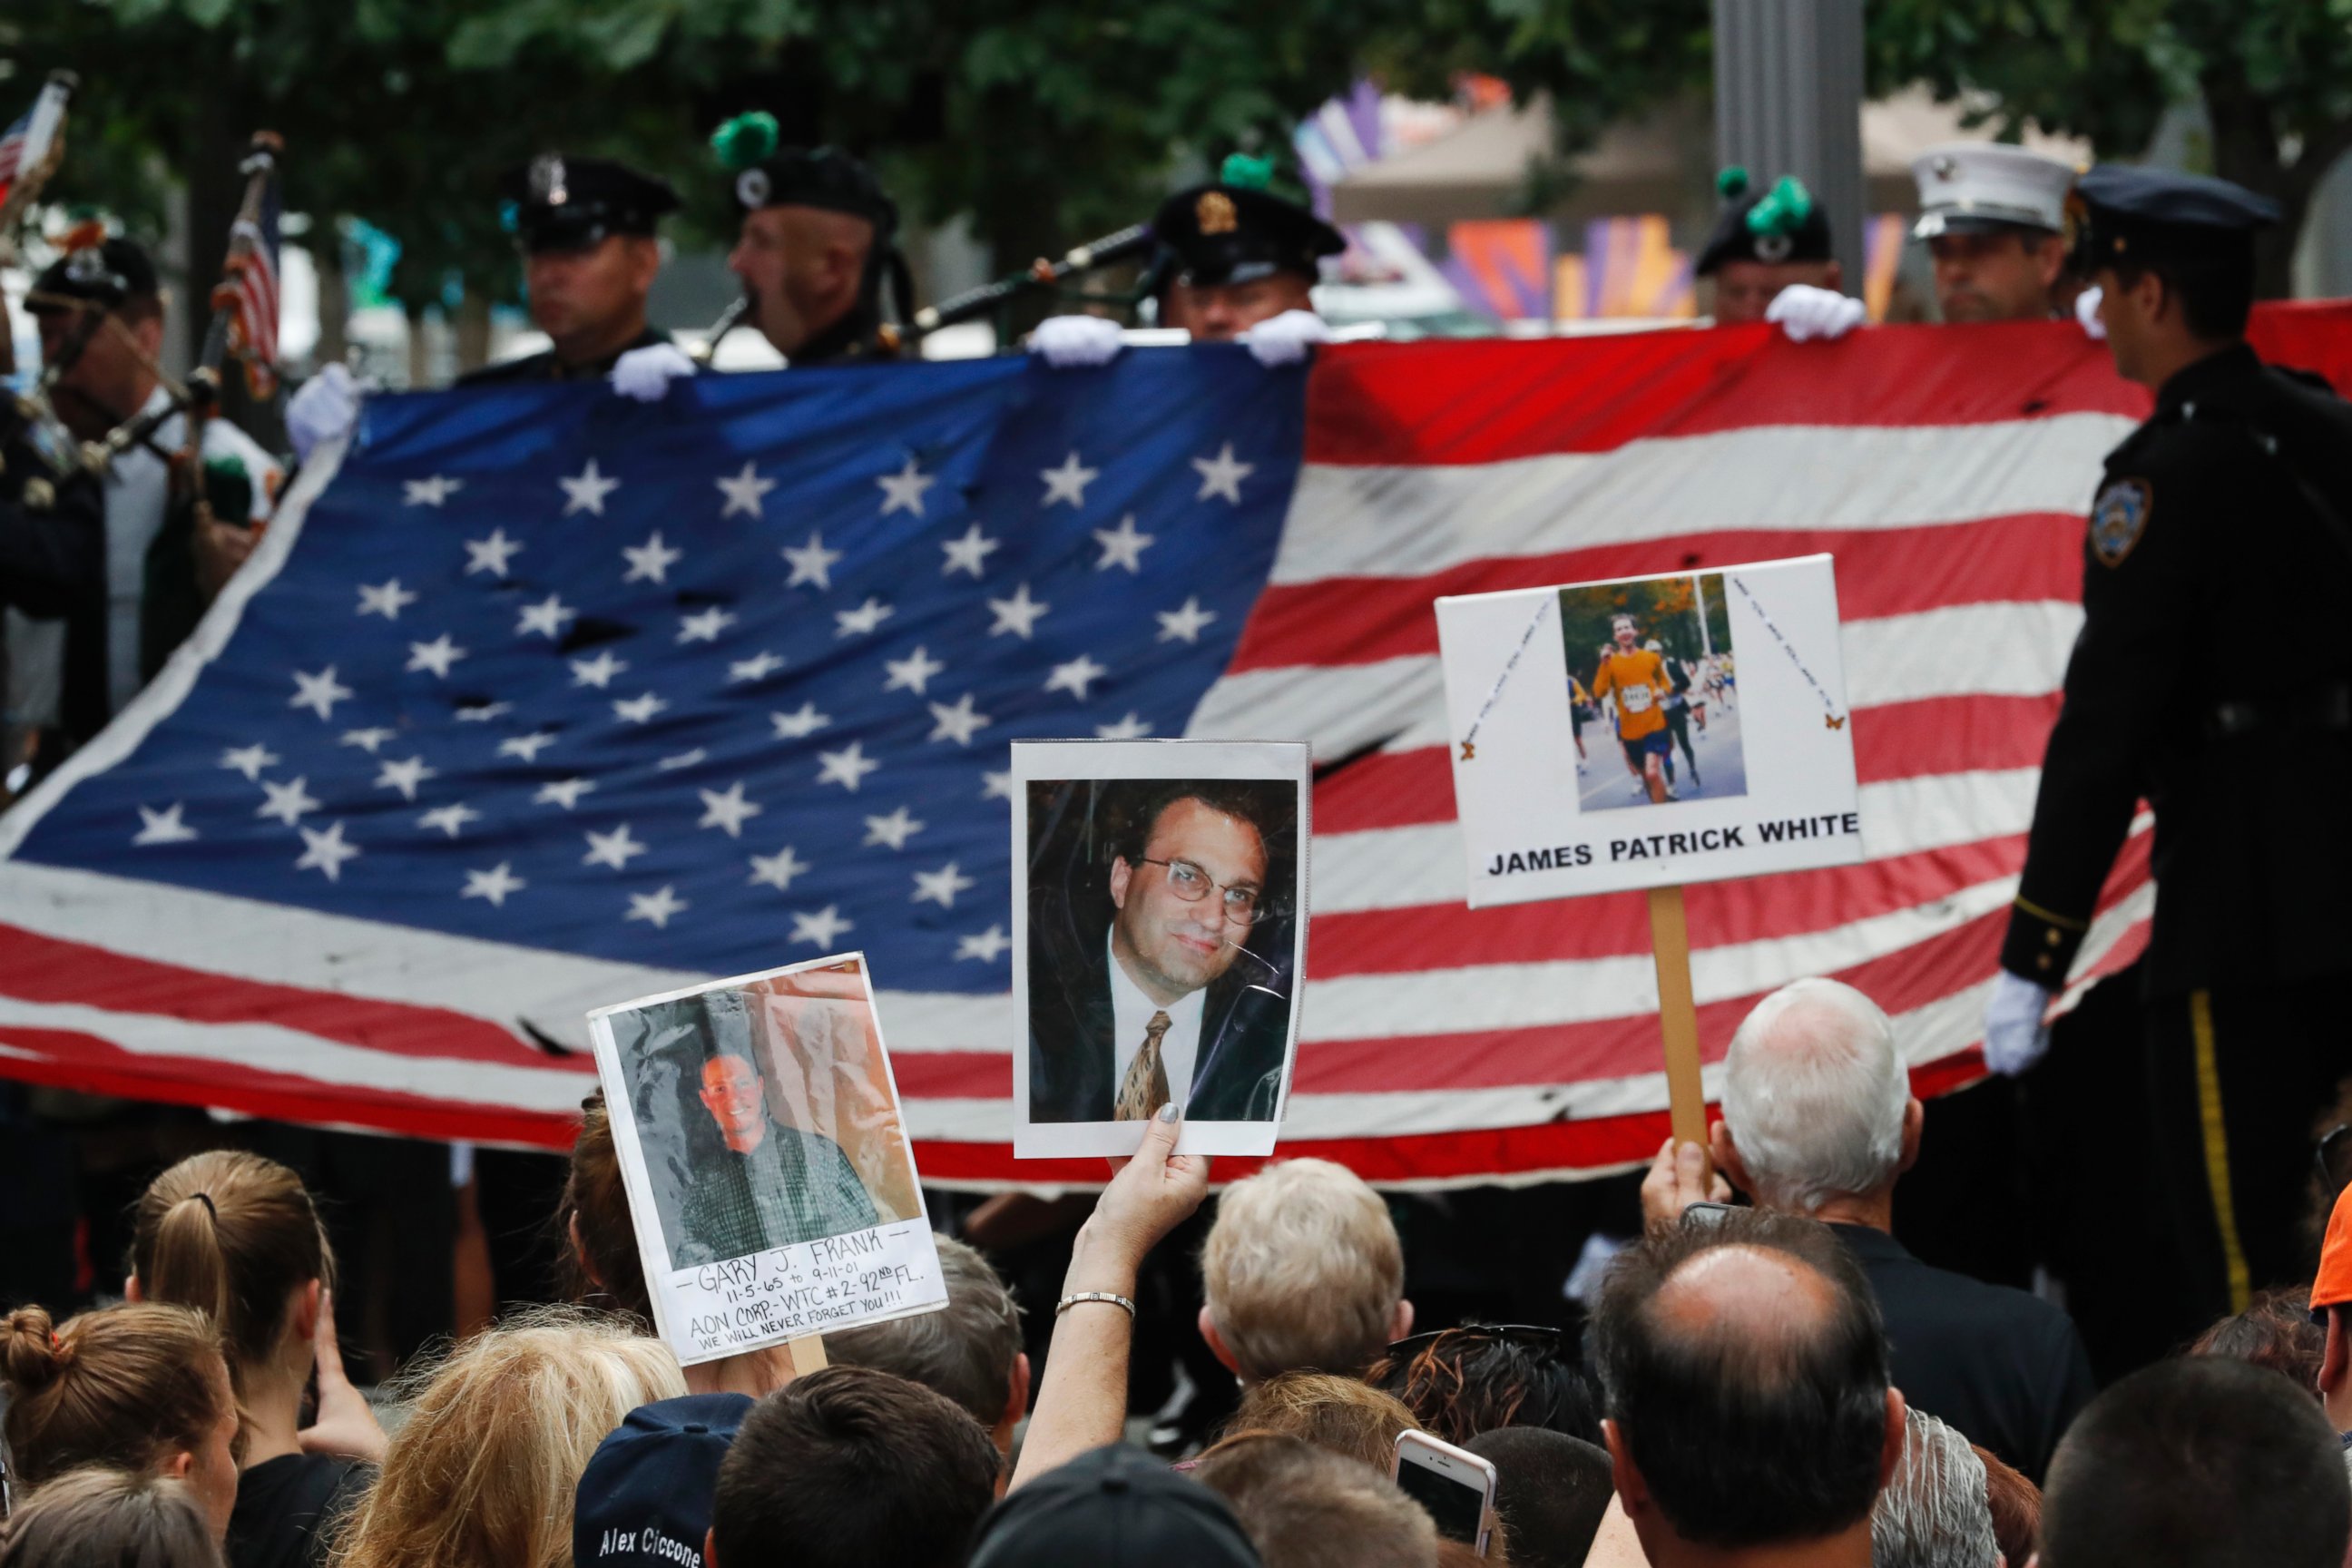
1342,1415
101,1518
237,1237
483,1471
140,1388
1303,1271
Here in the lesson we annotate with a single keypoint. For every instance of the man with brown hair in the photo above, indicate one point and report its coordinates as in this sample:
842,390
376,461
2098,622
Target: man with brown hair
1157,999
1306,1507
849,1466
970,1351
1751,1417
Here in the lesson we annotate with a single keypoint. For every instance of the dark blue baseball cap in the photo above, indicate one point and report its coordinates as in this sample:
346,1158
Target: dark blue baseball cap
644,1498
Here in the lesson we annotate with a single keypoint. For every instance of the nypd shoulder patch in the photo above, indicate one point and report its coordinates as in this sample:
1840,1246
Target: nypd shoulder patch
2118,517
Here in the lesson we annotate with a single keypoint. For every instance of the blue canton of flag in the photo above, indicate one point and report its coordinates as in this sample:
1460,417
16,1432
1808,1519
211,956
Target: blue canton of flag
709,685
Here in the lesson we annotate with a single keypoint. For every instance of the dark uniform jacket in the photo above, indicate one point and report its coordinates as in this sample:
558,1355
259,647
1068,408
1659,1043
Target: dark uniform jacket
544,366
2212,676
53,561
2004,1368
1245,1027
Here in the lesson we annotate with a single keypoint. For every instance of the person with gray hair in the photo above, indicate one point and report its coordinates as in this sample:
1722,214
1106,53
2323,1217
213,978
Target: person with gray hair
1819,1120
970,1351
1934,1510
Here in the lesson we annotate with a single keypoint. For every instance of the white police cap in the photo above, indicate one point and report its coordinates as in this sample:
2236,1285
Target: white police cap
1977,186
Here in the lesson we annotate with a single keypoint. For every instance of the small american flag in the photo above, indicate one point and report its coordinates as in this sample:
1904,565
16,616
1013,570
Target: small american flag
25,144
253,283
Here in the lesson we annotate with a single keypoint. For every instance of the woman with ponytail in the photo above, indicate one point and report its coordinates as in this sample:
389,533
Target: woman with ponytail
136,1388
236,1237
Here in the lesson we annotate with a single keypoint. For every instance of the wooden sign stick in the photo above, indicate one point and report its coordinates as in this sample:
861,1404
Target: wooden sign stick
808,1352
1677,1015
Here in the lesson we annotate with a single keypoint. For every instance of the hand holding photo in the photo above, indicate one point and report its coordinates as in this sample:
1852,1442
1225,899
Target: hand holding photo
1160,941
768,1172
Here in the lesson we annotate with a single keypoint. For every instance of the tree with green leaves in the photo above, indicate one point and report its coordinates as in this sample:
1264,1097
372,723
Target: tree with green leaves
2274,77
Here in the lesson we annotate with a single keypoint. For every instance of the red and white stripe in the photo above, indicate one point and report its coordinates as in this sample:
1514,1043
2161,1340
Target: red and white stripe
1947,470
256,298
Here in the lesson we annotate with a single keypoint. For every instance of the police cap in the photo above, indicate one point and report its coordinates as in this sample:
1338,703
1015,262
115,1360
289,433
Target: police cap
574,203
827,178
103,271
1233,230
1781,224
2127,215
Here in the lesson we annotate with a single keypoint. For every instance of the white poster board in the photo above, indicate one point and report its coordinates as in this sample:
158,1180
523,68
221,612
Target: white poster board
1156,880
1588,760
769,1180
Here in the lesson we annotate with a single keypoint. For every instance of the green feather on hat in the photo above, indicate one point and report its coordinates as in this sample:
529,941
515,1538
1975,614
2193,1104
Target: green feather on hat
746,141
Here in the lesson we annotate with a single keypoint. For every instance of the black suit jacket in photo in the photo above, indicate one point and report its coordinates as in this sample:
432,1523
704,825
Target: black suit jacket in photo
1244,1027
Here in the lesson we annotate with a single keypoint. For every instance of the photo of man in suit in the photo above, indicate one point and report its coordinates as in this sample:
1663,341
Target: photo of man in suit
1161,948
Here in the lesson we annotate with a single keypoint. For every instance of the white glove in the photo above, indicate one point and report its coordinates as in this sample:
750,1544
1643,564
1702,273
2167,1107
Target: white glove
1070,342
326,407
2087,311
1806,312
645,374
1285,339
2015,1035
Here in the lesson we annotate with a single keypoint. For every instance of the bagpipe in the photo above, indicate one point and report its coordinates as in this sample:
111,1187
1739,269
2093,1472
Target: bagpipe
243,324
990,299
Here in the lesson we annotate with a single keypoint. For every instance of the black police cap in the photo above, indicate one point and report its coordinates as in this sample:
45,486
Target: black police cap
571,203
769,175
1783,223
105,273
1233,230
2133,215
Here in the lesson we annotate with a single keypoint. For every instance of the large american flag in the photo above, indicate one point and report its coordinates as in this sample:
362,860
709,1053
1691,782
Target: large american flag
535,699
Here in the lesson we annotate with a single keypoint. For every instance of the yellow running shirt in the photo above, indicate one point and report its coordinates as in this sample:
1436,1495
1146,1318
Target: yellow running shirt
1639,681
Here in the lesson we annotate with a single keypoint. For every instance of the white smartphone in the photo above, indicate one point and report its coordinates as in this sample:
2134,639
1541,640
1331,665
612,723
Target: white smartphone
1454,1484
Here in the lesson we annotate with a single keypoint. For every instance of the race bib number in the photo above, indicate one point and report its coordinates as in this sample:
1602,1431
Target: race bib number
1635,698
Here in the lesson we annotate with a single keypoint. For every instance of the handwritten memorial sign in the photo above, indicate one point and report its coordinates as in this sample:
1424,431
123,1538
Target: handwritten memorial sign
769,1180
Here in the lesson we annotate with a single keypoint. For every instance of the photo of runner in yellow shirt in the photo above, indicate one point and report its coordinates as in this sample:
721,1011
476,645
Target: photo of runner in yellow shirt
1636,679
1651,657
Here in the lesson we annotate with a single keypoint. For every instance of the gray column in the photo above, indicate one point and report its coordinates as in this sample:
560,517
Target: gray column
1788,100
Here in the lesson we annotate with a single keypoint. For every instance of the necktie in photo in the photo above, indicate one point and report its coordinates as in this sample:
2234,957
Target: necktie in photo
1145,1088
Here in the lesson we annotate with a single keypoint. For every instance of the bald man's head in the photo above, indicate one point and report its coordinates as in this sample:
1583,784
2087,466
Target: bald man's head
1745,1376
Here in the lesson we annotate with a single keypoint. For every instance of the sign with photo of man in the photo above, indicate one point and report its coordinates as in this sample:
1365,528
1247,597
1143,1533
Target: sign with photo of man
1160,941
768,1172
1650,731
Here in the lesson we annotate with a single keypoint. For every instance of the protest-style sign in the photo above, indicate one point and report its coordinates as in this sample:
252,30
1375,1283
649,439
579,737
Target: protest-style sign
769,1180
1647,732
1158,941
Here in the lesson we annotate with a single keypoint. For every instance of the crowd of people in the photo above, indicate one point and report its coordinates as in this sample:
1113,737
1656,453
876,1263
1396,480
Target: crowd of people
1767,1378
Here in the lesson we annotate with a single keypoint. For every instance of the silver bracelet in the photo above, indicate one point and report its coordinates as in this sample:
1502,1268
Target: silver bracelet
1067,1302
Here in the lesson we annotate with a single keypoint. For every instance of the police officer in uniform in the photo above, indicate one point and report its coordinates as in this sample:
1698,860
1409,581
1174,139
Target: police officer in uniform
818,245
1235,263
586,227
2227,515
